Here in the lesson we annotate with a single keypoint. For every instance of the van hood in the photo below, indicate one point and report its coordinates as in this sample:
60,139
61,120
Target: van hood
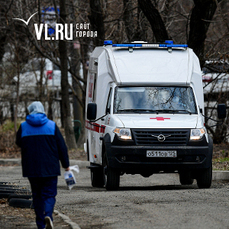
158,121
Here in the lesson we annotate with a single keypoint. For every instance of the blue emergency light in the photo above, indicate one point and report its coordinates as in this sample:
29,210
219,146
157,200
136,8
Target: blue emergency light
127,45
169,41
167,44
173,45
108,42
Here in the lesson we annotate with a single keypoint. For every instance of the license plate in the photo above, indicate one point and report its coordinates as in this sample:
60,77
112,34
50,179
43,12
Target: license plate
159,153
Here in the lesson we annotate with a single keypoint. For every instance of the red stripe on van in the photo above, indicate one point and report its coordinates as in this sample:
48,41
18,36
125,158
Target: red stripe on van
95,127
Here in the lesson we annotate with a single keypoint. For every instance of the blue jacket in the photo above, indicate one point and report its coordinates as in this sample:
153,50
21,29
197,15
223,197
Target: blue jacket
42,146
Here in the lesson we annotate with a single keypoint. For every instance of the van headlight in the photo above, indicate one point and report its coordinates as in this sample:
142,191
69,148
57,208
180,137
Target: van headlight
123,133
197,134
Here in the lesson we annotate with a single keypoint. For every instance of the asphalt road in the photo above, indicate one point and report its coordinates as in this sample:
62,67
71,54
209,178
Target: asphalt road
156,202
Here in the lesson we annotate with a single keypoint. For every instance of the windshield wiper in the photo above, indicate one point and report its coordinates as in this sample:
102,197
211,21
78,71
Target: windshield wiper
172,111
136,110
164,111
154,111
186,111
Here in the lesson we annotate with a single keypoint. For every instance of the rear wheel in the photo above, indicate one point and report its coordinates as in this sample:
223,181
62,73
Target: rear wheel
111,176
97,178
186,178
204,178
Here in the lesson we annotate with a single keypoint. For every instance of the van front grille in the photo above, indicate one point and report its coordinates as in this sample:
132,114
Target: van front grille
161,136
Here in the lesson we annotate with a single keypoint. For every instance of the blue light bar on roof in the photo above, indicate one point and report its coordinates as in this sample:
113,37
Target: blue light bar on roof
151,45
127,45
173,45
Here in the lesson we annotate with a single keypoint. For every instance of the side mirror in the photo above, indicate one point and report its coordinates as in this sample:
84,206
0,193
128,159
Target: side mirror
108,110
221,111
91,111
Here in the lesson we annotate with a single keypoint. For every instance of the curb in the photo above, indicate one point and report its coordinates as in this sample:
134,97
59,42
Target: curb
17,162
220,175
10,161
67,220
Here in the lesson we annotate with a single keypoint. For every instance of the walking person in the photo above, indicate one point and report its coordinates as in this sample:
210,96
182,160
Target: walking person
42,147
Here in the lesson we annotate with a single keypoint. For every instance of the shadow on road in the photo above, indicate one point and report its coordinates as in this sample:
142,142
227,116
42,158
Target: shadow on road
135,188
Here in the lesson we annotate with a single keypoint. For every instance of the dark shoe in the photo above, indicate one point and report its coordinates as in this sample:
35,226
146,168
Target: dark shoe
48,223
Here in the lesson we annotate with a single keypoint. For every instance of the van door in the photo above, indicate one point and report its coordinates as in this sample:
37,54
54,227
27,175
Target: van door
92,126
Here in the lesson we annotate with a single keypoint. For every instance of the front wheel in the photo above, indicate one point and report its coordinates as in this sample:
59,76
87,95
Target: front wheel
111,176
186,178
204,178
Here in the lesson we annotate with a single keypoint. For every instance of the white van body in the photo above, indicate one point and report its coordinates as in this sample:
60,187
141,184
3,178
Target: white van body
143,139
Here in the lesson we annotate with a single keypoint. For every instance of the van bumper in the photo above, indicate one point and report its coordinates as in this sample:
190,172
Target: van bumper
133,159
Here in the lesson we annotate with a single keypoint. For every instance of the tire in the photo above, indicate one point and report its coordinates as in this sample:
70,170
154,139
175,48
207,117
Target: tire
186,178
204,178
4,183
5,195
16,196
97,178
8,186
111,176
21,203
12,191
16,191
3,188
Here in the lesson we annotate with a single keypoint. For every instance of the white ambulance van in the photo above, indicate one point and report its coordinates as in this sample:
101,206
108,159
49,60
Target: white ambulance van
144,114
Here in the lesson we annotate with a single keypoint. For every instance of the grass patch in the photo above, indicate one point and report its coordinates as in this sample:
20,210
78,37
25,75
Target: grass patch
221,159
9,126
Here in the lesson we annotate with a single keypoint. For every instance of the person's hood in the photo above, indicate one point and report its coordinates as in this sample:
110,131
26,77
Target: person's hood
36,107
36,119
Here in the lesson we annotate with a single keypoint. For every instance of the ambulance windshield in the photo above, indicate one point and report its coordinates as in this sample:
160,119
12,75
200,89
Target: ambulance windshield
154,100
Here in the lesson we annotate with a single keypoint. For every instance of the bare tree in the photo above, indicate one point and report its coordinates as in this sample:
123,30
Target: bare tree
201,17
96,18
69,133
201,23
154,19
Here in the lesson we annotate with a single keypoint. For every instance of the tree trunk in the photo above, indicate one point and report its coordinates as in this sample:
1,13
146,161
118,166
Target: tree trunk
128,19
201,17
77,108
96,20
17,98
75,63
154,19
2,45
69,133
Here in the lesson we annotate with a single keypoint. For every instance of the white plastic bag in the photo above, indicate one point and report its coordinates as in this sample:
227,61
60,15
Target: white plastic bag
69,176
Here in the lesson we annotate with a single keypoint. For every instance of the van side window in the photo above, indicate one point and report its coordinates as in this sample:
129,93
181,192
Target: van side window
108,107
94,93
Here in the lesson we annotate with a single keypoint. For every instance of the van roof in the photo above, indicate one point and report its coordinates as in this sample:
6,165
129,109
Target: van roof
144,64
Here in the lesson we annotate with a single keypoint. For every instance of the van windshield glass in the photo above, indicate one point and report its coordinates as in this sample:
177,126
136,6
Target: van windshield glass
154,100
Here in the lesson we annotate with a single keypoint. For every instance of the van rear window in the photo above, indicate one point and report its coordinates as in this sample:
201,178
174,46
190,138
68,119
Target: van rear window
154,100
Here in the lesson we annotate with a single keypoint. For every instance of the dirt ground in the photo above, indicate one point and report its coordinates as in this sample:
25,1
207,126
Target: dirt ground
23,218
